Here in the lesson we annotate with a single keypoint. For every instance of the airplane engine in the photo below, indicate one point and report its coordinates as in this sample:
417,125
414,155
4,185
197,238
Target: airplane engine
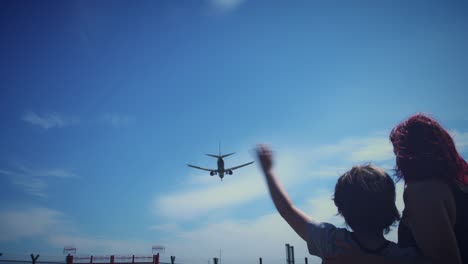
212,173
229,172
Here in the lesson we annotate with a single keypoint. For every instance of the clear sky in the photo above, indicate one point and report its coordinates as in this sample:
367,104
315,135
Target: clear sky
102,103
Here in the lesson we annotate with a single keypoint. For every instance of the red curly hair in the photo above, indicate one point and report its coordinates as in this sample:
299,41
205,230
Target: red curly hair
425,150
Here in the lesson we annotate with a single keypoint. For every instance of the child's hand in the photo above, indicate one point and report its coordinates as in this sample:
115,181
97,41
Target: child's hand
265,157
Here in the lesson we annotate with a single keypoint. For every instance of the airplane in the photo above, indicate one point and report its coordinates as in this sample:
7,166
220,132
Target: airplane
221,170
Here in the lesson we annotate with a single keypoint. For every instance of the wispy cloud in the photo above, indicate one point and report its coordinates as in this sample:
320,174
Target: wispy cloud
56,120
55,172
223,6
48,120
358,149
117,119
32,186
34,181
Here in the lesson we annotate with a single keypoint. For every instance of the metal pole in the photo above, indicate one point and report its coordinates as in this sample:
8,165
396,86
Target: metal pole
69,259
306,261
292,255
260,260
34,258
288,255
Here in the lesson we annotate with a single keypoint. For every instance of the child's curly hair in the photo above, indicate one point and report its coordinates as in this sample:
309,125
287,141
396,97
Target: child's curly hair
365,197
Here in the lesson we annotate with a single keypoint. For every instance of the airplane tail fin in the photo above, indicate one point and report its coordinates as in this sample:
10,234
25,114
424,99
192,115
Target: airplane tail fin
214,156
220,156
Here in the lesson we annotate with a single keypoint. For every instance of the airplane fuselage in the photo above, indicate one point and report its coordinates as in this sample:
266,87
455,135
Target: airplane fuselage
221,168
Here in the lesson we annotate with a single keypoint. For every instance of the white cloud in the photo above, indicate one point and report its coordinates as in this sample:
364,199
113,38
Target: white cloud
323,208
225,5
48,120
28,223
324,172
192,203
373,148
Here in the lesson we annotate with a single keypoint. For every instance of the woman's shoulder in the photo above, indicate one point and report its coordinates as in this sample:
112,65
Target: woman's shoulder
429,188
432,195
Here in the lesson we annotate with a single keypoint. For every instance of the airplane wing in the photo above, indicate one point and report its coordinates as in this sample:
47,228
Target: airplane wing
236,167
200,168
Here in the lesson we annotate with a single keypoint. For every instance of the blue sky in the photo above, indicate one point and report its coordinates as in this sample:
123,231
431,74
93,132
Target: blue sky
103,103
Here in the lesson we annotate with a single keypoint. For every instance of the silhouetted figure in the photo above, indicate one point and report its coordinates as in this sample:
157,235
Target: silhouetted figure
364,196
435,219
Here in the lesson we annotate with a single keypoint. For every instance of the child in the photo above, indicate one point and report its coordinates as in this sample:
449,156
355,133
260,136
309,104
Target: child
364,196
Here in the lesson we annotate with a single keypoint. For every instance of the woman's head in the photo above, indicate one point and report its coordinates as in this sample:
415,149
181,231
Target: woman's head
365,197
425,150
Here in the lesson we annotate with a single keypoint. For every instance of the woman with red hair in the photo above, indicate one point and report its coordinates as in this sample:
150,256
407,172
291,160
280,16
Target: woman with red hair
435,218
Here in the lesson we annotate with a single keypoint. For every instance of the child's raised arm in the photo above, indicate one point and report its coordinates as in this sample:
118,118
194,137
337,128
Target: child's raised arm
297,219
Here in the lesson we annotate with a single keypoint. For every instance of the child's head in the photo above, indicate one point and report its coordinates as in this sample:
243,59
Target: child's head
365,197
